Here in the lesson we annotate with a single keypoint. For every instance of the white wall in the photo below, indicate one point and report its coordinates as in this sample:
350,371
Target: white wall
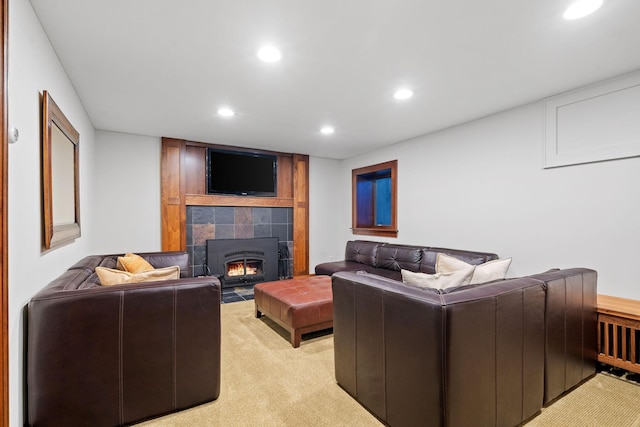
34,67
326,211
481,186
127,180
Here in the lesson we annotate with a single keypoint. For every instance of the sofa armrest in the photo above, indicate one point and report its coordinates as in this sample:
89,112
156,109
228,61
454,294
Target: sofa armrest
571,329
119,354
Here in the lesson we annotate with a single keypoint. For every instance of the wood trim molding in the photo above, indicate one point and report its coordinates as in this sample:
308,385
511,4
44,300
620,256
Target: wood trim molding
4,282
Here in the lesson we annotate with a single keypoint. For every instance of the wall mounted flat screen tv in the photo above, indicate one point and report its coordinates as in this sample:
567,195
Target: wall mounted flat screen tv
241,173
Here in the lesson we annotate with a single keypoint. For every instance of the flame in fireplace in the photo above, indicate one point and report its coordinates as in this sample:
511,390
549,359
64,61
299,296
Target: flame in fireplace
238,269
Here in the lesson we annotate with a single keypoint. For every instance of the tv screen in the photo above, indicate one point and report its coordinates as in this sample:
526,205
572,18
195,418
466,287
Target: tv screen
240,173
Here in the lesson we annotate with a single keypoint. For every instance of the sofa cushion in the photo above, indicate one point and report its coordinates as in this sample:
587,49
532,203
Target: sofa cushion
133,263
383,272
399,257
328,268
109,276
438,280
71,279
362,251
486,272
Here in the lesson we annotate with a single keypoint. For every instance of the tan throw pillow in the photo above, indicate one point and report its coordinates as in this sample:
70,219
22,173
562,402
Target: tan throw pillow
492,270
133,263
438,280
110,276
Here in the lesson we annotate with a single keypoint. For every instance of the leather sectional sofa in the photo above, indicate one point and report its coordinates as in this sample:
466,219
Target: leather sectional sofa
386,260
490,354
114,355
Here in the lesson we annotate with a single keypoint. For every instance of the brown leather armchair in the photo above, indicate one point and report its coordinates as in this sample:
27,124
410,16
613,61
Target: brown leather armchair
114,355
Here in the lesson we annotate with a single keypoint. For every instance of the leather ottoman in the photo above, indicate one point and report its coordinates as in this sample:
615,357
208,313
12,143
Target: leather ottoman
300,305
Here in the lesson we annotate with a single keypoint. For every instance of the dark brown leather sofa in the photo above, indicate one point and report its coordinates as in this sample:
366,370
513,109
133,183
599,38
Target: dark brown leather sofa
482,355
114,355
385,259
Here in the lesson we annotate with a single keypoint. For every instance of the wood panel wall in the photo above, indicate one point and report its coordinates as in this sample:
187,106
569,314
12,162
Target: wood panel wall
183,183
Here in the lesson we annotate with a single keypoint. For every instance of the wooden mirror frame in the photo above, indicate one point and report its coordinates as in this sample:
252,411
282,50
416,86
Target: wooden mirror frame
56,234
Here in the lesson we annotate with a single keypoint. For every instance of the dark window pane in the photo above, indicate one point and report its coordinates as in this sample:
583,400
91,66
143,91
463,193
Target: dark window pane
365,203
383,201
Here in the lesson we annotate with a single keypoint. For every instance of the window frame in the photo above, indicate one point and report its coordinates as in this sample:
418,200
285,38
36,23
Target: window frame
372,229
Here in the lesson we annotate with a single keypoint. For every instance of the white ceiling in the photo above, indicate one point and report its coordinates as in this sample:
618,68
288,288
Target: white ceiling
164,67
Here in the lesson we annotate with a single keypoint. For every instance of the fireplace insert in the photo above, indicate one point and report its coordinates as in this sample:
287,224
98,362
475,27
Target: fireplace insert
239,262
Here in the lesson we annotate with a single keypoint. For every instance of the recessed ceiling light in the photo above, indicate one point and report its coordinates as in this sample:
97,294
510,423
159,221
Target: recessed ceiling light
327,130
582,8
269,54
403,94
226,112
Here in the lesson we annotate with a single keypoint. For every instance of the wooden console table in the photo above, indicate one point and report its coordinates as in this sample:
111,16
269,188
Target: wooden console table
619,332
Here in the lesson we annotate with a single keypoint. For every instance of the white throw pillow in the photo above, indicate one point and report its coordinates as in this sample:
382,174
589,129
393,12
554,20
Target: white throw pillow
492,270
446,263
438,280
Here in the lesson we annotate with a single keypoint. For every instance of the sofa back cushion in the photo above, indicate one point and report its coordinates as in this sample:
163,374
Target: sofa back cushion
362,251
170,259
82,274
429,255
399,257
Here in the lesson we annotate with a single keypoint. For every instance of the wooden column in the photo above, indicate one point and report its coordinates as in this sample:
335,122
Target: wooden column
300,214
172,195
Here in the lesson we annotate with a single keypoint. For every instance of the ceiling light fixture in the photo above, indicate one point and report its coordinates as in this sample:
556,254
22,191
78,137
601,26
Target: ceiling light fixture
327,130
269,54
403,94
582,8
226,112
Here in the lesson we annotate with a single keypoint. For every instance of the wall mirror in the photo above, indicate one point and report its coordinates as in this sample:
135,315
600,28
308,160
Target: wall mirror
60,190
374,199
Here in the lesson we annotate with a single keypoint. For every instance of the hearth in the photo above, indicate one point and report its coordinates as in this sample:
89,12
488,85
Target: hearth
240,262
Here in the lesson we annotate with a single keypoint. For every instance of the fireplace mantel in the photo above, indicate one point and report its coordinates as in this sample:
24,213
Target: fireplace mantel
183,178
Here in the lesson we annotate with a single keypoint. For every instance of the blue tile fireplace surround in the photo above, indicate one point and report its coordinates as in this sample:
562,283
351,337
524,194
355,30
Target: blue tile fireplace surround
228,222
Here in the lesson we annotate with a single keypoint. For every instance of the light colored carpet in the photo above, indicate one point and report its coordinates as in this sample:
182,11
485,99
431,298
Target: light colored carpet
602,401
266,382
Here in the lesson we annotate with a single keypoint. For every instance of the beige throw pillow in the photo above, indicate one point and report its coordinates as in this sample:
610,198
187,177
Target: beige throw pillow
110,276
487,272
133,263
438,280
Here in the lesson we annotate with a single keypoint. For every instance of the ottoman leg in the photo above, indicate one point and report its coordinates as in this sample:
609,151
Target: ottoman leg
296,335
258,312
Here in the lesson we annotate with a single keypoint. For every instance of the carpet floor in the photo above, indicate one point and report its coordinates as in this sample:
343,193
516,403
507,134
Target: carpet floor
266,382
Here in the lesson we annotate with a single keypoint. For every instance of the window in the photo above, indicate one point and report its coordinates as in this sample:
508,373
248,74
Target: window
374,199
